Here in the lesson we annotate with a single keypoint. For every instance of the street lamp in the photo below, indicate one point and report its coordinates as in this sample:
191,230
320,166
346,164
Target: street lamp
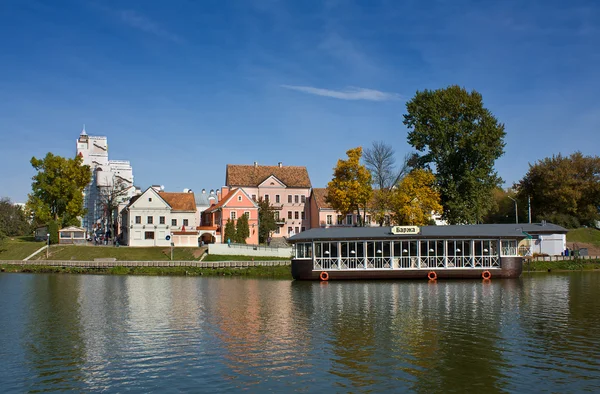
516,211
47,244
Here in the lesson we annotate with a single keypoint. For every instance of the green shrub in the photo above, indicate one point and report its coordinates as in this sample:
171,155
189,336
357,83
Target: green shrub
53,231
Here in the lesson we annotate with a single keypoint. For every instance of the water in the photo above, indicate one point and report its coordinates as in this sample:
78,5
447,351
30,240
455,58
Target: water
161,334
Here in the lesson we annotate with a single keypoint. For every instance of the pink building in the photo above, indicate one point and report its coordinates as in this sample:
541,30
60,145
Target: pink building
322,215
233,204
287,188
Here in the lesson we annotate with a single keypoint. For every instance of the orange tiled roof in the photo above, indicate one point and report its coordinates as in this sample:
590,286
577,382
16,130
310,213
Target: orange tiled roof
252,176
320,195
222,202
179,201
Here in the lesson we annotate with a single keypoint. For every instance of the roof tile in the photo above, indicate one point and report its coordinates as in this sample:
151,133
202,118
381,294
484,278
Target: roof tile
252,176
180,201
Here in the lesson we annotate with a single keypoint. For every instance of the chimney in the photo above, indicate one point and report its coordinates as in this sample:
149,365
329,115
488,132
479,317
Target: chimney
255,164
186,190
203,191
280,164
224,190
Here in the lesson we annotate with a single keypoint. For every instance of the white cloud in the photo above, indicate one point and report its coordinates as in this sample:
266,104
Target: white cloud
143,23
350,93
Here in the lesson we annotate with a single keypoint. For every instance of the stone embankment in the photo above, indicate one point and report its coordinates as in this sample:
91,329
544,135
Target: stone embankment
116,263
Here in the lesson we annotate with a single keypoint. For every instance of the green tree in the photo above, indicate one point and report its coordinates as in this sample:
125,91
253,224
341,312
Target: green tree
350,189
57,189
242,230
461,139
563,189
13,220
503,207
415,199
266,220
230,231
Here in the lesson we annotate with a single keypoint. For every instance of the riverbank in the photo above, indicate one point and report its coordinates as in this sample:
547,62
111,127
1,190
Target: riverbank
564,265
274,272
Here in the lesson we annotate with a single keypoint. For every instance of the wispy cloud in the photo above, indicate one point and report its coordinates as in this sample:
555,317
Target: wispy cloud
349,93
145,24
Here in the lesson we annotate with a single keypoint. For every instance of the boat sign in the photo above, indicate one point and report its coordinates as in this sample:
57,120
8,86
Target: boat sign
405,230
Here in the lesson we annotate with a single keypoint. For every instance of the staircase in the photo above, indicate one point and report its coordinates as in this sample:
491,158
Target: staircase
279,242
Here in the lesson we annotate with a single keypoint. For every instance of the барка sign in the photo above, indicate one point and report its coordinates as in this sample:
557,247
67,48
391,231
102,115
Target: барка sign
408,230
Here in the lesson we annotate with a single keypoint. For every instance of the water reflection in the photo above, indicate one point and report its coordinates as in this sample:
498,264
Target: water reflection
103,333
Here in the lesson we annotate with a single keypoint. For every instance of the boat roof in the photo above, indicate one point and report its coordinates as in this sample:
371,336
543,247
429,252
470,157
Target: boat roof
475,231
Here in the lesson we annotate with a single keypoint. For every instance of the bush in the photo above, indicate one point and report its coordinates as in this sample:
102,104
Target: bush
53,231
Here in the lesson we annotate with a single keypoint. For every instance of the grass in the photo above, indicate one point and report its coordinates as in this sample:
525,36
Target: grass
89,253
584,235
566,265
17,248
278,272
218,257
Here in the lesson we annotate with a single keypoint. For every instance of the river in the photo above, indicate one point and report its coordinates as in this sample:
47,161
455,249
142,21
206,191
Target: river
173,334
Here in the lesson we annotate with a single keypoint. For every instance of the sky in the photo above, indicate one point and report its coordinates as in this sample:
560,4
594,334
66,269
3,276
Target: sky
182,88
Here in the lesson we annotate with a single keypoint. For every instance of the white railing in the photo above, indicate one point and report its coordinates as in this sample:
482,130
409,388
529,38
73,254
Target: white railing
406,263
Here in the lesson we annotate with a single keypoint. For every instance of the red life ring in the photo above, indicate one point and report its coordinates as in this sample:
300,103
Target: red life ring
432,275
324,276
486,275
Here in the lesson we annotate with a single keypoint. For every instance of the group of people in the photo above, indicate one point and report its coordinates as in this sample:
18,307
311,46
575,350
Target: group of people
103,238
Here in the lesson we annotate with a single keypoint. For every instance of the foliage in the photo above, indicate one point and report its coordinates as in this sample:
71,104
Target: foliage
502,209
57,189
53,231
110,196
564,187
381,163
350,189
229,234
462,140
266,220
584,235
242,230
13,220
415,199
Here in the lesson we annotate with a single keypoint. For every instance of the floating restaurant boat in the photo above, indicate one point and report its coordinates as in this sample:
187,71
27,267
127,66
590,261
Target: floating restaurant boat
435,252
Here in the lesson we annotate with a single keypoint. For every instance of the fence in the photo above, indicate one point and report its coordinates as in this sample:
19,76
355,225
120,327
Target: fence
249,250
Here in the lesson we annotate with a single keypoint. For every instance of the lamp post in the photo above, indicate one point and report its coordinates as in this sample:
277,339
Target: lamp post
516,211
47,244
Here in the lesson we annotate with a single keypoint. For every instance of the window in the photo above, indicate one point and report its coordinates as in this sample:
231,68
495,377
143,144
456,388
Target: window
239,198
303,228
290,199
266,197
150,220
303,216
173,222
289,214
340,219
349,219
254,197
289,230
150,199
277,230
296,215
296,199
149,235
276,216
329,219
233,215
247,214
277,198
296,230
138,220
161,220
368,219
185,222
303,198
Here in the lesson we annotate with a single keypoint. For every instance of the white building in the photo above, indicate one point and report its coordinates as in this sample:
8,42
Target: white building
107,174
152,216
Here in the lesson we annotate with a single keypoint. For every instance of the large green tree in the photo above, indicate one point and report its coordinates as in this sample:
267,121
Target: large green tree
57,189
350,189
266,220
242,229
460,140
563,189
229,231
13,220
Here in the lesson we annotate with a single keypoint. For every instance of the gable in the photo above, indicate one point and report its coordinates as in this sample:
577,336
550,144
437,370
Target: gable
238,198
150,199
273,182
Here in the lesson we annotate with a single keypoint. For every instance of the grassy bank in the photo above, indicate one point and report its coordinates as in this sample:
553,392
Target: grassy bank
584,235
277,272
17,248
567,265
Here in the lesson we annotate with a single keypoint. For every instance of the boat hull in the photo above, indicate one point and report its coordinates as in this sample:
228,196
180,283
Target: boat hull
510,267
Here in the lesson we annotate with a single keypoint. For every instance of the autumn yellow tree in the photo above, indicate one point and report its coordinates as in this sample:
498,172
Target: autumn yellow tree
415,198
350,189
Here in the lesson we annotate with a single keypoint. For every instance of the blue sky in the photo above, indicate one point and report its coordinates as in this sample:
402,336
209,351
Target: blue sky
183,87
